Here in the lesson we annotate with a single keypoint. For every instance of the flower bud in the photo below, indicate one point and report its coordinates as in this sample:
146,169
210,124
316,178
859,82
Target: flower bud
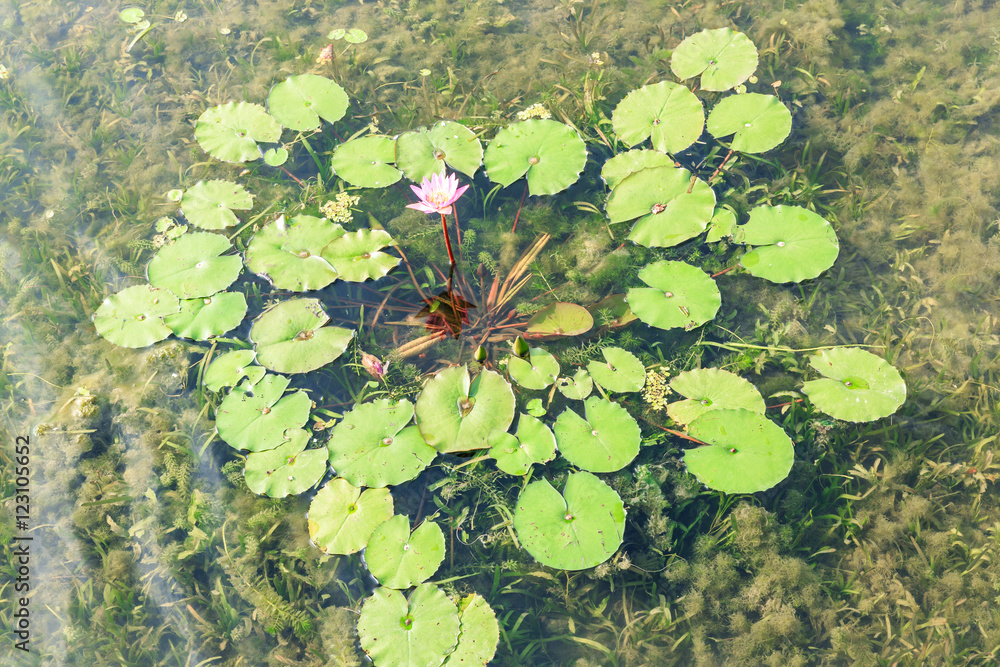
481,355
521,348
372,364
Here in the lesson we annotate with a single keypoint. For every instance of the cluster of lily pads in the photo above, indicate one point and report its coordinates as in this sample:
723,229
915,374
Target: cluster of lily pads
384,443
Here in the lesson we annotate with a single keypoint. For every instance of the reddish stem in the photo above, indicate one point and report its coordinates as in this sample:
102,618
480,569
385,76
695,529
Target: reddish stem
714,275
447,240
519,206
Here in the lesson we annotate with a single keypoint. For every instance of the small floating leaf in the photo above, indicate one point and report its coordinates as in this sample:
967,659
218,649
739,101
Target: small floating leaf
577,387
367,162
134,316
679,296
193,266
355,36
612,312
534,443
620,371
456,415
666,111
342,518
791,244
858,386
210,204
559,319
203,318
724,58
257,419
276,157
131,15
300,101
357,256
722,225
707,389
448,144
418,632
480,632
758,122
289,254
288,469
606,441
400,559
670,206
629,162
538,371
228,369
290,337
551,154
230,132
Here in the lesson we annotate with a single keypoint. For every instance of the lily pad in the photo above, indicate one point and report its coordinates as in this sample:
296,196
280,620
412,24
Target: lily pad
134,316
419,632
193,265
534,443
400,559
612,312
276,157
367,162
289,254
621,371
722,225
746,452
288,469
790,244
575,530
355,36
559,319
230,132
210,204
707,389
538,371
456,415
551,154
256,420
577,387
372,446
342,518
131,15
679,296
448,144
757,122
299,102
206,317
606,441
290,337
629,162
667,112
228,369
357,256
479,633
670,207
724,58
858,386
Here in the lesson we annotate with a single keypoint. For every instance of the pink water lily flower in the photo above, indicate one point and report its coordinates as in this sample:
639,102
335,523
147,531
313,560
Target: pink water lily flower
437,194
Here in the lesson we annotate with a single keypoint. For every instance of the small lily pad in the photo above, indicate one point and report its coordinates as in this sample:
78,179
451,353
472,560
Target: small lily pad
621,370
551,154
480,632
193,266
416,632
707,389
679,296
535,408
357,256
400,559
629,162
288,469
858,386
577,387
790,244
538,371
724,58
210,204
290,337
131,15
275,157
230,132
575,530
256,420
612,312
134,316
534,443
342,518
667,112
299,102
289,254
355,36
559,319
606,441
722,225
228,369
206,317
448,144
367,162
670,207
757,122
455,414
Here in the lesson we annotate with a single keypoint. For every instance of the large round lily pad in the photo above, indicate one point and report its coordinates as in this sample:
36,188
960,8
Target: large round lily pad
210,204
757,122
790,244
534,443
455,414
342,518
707,389
538,371
203,318
448,144
367,162
228,369
290,337
479,634
724,58
134,316
606,441
357,256
288,469
679,296
371,445
418,632
629,162
288,254
230,132
575,530
400,559
746,452
559,319
551,154
300,101
621,370
256,420
858,386
670,207
667,112
193,265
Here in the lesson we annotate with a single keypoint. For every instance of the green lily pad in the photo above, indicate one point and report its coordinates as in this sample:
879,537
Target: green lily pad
210,204
288,469
559,319
400,559
758,122
538,371
228,369
535,408
612,312
724,58
707,389
357,256
722,225
289,254
667,112
575,530
606,441
679,296
342,518
456,415
275,157
300,101
134,316
367,162
670,208
419,632
534,443
193,265
790,244
372,446
131,15
551,154
858,386
206,317
629,162
479,633
577,387
256,420
230,132
621,371
355,36
746,452
448,144
290,337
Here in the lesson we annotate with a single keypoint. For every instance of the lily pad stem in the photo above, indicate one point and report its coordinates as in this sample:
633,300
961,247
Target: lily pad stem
734,266
447,240
312,153
719,168
519,206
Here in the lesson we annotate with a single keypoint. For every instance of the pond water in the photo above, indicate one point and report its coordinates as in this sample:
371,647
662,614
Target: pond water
129,529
